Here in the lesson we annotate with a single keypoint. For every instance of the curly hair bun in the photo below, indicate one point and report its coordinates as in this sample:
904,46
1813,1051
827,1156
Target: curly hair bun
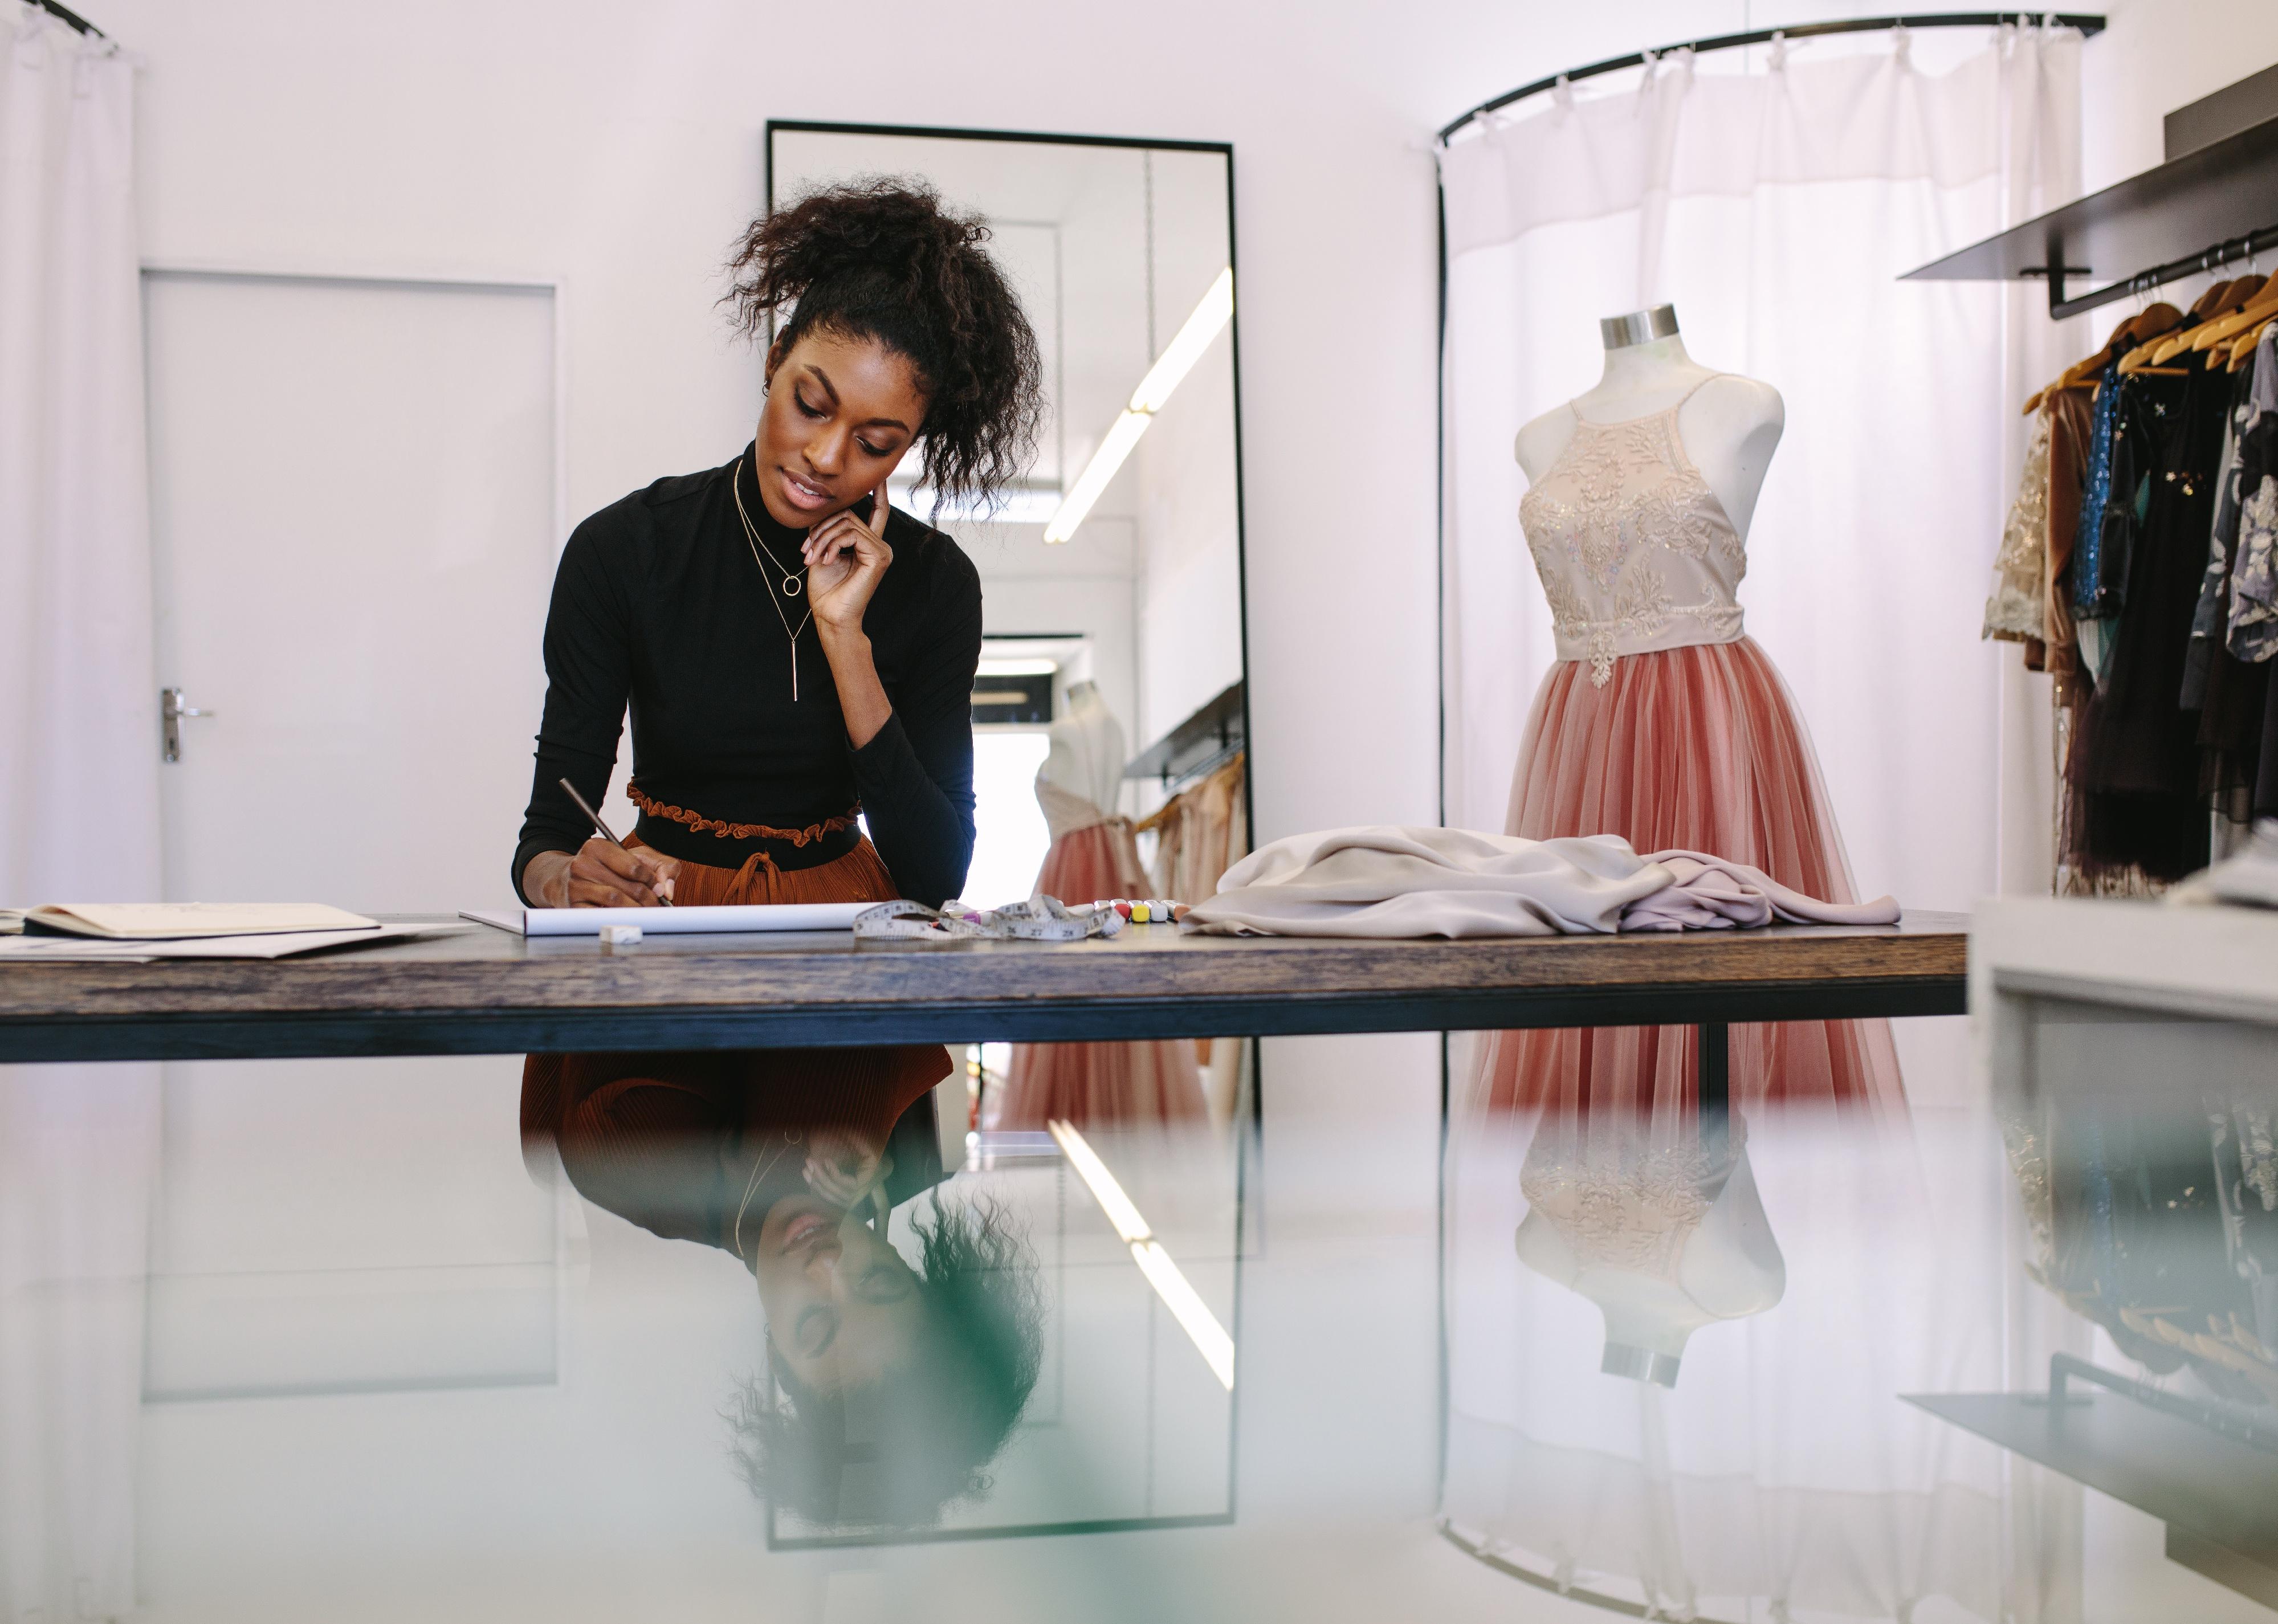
884,258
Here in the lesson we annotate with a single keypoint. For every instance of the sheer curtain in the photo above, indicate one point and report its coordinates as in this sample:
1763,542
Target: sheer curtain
79,758
79,805
1776,207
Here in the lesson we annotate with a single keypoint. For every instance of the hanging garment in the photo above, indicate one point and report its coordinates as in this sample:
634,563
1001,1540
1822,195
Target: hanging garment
2015,612
2096,579
2133,772
2230,694
1199,833
2254,624
1663,723
2209,617
2069,414
2251,630
1385,881
1093,857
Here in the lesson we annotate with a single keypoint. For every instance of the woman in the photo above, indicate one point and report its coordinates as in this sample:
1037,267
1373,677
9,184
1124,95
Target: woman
794,654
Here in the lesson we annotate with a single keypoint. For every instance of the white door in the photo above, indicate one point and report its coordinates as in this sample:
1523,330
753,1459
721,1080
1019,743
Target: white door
353,505
354,512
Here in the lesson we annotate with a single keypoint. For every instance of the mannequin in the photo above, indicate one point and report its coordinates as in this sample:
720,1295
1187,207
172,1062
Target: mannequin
1637,1241
1661,720
1087,752
1092,858
1731,427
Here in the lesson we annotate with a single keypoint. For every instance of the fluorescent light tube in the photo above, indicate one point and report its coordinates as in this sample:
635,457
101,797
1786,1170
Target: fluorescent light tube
1104,1190
1076,506
1178,1295
1211,315
1208,319
1188,1308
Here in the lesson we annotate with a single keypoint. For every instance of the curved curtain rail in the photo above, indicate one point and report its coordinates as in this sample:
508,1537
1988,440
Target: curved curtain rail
2088,24
65,15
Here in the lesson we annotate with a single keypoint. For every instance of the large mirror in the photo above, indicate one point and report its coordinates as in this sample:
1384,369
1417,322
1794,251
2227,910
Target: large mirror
1110,715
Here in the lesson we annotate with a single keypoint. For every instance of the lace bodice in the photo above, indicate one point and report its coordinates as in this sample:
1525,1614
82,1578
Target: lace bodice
1635,552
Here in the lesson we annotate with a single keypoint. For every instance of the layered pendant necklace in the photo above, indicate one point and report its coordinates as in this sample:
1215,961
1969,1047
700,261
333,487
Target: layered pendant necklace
792,583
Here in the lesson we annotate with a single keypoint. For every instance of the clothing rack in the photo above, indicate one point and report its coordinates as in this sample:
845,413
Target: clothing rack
69,18
2088,24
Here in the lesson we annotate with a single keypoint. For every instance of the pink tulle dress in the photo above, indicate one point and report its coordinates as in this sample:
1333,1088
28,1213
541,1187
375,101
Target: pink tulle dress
1093,857
1665,723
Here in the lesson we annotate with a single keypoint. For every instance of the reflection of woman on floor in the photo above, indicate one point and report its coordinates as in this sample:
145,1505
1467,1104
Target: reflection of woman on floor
901,1383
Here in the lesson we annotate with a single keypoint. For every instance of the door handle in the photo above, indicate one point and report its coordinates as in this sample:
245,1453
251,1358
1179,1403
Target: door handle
170,712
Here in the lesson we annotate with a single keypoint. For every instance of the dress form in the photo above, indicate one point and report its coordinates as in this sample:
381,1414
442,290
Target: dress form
1727,1267
1087,748
1731,427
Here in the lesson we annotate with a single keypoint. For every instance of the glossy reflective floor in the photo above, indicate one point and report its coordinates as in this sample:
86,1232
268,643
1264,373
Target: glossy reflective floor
675,1338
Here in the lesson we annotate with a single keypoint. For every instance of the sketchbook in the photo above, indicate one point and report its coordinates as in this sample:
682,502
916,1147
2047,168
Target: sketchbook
177,921
670,922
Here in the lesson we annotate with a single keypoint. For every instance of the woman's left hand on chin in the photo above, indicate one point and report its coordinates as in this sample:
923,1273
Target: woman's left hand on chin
846,560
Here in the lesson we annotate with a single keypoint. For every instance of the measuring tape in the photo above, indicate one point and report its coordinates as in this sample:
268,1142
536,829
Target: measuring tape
1040,919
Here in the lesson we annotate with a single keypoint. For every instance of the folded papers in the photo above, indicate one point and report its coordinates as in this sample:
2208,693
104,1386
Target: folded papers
177,921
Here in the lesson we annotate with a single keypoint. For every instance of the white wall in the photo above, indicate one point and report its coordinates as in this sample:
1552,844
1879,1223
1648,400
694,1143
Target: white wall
2157,56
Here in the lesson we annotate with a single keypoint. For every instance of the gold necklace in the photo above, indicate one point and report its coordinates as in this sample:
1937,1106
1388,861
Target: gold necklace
759,1166
790,588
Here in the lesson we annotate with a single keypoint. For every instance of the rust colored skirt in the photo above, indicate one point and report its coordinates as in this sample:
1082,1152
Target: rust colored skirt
555,1087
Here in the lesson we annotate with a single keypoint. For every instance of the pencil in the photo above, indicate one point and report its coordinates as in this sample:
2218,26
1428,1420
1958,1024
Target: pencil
583,806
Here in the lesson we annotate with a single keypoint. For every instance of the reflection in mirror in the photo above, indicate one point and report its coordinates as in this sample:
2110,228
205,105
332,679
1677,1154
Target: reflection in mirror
945,1350
1110,575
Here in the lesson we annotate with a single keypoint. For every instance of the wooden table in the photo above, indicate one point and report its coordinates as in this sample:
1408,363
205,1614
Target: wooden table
486,992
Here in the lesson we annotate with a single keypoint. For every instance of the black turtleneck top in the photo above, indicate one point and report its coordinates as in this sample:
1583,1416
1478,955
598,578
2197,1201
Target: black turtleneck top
659,605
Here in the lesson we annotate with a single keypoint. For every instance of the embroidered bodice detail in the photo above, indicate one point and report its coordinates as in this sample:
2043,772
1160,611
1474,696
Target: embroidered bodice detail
1635,551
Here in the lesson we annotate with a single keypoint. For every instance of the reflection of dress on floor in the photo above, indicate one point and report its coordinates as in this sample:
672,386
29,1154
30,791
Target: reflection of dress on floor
1093,857
1806,1271
1665,723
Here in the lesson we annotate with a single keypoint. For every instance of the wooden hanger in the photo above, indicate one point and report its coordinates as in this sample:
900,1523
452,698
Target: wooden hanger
2145,335
2210,301
2208,334
2235,299
2243,347
2152,320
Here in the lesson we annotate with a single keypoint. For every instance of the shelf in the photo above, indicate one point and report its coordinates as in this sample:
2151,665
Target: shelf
2161,222
1209,737
2218,1495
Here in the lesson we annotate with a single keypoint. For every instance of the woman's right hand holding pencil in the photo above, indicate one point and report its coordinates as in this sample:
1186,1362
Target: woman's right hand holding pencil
600,875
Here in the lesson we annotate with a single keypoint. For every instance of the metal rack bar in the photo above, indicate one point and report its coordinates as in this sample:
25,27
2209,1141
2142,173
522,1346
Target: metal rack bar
2211,258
